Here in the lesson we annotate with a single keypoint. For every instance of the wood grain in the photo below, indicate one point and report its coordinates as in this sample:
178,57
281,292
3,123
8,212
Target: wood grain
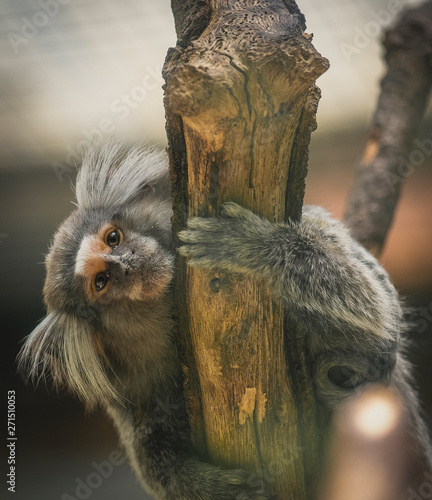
240,104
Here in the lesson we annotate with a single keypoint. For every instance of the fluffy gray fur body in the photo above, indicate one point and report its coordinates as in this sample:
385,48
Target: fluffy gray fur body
109,333
337,293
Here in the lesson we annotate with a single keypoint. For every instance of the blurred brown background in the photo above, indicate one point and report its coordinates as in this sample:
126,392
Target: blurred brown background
75,70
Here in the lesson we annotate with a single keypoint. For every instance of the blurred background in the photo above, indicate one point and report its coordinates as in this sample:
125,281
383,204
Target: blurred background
77,70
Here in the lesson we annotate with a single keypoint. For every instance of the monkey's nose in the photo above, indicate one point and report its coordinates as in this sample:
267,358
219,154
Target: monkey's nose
123,267
119,265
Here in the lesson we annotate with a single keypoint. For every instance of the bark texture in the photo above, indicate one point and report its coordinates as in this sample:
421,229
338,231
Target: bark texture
390,154
240,107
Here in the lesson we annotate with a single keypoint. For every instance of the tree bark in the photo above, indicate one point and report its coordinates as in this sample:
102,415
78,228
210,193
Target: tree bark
240,107
389,155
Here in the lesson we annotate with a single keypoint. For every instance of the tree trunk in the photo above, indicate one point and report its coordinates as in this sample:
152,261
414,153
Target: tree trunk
240,106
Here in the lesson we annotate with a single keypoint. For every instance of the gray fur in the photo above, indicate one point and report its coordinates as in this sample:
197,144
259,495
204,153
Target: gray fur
117,348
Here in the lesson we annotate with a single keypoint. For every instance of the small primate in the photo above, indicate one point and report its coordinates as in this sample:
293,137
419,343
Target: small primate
109,333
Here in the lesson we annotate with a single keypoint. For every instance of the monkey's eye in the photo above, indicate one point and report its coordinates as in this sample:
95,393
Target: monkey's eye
101,280
113,239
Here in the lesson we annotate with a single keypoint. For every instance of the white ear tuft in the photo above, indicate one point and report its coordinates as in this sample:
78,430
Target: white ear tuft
61,346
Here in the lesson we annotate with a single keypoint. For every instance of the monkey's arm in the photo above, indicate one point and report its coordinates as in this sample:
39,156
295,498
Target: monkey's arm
338,293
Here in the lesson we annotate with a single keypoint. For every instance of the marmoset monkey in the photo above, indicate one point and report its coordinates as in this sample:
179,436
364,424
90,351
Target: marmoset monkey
109,333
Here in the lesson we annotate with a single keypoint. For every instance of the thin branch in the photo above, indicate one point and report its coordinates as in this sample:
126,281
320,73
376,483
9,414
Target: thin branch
389,154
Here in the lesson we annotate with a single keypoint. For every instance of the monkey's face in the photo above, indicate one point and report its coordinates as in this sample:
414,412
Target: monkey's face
101,260
118,263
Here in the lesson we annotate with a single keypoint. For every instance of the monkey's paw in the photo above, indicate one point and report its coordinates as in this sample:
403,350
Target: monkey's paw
234,241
